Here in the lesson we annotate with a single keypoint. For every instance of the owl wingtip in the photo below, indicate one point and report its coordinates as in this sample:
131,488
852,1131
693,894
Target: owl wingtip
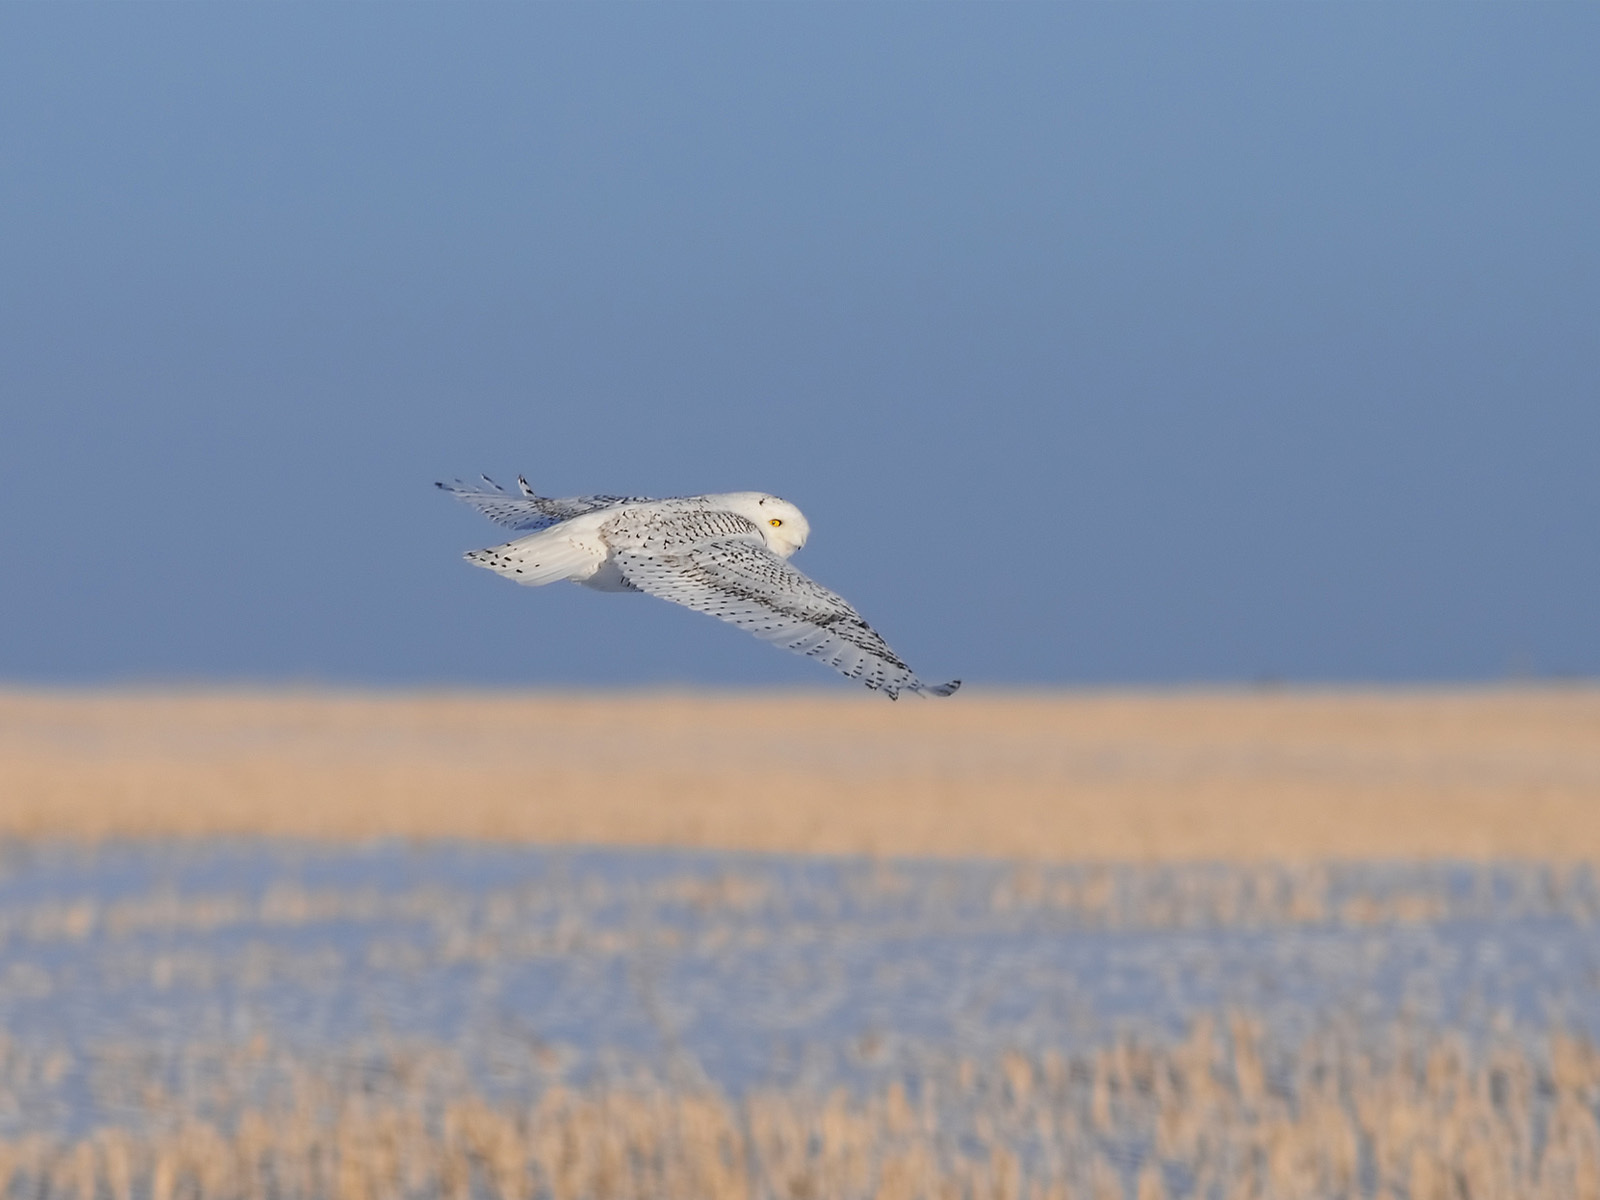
923,689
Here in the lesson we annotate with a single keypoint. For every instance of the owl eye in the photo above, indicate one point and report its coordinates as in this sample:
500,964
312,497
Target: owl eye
774,522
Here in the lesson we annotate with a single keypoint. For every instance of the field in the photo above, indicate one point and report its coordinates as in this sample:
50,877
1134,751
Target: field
1152,777
1252,944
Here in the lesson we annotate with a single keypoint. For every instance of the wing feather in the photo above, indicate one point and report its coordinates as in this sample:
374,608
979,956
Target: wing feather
527,511
716,562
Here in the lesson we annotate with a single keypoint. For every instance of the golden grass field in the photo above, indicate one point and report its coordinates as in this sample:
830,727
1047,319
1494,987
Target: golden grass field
1427,1121
1232,804
1129,776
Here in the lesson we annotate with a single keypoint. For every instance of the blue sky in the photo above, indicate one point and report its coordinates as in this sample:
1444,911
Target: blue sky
1100,343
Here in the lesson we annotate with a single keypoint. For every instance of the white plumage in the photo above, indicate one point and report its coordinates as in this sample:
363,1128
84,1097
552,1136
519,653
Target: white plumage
724,555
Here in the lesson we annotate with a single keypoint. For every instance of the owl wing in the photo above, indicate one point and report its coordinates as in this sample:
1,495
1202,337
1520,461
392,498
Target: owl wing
704,561
526,510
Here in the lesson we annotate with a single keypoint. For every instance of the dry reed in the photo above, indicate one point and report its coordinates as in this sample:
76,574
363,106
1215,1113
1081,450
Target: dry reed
739,905
1232,1111
1224,1114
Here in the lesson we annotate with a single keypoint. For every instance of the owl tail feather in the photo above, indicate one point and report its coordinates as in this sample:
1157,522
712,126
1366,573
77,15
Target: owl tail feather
541,559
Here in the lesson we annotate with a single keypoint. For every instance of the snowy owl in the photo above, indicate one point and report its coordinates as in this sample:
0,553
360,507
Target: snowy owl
724,555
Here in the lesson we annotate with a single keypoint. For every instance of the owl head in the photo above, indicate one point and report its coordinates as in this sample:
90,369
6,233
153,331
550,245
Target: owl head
782,525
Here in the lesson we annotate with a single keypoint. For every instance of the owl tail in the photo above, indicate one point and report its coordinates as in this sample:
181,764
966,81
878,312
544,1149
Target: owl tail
540,559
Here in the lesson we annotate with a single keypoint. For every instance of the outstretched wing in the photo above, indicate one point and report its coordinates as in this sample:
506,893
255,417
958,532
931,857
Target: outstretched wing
735,578
526,510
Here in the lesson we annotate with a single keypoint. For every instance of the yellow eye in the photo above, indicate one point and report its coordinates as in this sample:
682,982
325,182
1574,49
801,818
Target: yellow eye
774,522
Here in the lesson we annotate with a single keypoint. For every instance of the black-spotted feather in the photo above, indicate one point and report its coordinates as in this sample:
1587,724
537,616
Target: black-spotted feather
526,511
737,579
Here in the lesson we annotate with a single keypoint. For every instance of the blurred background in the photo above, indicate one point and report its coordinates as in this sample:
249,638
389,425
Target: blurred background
1099,343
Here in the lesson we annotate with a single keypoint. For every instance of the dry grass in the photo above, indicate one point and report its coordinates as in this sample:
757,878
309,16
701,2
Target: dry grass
1092,783
1223,1114
1482,774
538,918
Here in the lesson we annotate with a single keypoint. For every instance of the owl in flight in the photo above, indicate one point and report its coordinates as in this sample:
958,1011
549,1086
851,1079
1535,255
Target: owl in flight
726,556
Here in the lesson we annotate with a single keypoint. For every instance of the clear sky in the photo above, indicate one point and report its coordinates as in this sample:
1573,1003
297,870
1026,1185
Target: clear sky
1100,343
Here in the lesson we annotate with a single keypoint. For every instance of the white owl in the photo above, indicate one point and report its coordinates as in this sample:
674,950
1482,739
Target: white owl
724,555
